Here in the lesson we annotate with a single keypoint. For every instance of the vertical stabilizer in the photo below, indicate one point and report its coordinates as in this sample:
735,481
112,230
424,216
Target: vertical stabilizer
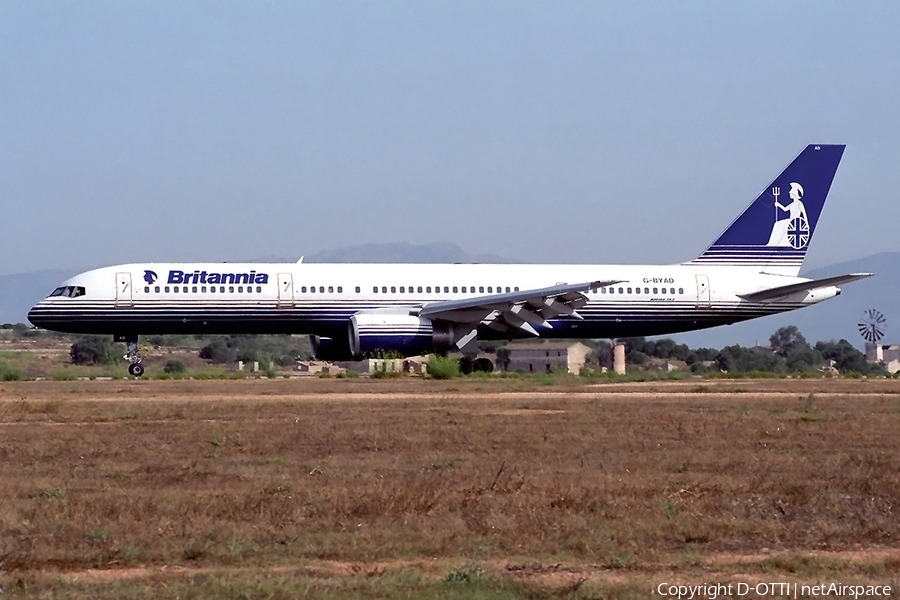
775,231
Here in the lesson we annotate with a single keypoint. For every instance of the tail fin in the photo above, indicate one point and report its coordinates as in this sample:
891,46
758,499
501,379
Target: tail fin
774,232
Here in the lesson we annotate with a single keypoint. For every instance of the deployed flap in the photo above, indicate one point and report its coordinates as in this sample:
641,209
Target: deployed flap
523,310
803,286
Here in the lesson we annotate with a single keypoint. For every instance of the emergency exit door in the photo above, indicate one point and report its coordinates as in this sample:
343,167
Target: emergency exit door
285,290
704,299
123,290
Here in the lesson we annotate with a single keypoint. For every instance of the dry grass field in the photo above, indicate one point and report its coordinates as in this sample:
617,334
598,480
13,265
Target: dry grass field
477,488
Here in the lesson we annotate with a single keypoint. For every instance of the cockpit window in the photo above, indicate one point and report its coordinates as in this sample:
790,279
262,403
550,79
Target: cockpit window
72,291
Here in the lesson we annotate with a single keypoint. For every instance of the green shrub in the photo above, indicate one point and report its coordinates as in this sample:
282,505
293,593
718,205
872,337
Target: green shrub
63,375
763,375
442,367
94,350
174,366
206,374
218,352
9,373
386,370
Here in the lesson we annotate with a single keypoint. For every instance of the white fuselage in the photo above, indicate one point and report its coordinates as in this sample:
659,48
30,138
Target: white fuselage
319,299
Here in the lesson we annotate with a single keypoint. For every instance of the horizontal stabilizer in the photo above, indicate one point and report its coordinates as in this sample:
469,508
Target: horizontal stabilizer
804,286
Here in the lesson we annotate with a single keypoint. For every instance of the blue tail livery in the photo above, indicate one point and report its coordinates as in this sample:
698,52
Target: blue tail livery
776,229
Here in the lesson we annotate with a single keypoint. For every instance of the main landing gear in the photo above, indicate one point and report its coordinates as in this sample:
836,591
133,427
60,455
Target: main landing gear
133,355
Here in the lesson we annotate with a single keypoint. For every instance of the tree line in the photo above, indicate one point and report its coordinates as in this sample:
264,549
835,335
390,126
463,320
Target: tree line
788,351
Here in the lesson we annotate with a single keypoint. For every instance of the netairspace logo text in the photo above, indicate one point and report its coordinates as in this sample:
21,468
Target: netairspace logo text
781,590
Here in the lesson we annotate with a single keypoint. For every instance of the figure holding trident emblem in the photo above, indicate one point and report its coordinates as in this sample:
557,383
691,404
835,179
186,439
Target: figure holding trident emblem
792,231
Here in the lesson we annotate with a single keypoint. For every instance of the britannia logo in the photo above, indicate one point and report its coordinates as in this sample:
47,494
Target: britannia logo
791,229
150,277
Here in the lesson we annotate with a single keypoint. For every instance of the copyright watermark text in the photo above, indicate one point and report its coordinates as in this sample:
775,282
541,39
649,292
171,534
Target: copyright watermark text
711,591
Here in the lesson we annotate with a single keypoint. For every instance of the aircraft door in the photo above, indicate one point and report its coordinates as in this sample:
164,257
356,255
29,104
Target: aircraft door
704,299
123,290
285,290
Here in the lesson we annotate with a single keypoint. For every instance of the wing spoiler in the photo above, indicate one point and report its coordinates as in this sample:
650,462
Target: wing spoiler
784,290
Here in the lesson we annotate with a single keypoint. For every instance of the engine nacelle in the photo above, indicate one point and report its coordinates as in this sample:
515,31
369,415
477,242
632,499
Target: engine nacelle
404,334
324,348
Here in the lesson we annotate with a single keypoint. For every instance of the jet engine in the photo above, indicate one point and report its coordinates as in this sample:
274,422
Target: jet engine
400,333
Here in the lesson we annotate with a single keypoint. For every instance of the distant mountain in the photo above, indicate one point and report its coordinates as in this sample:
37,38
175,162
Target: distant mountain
398,252
402,252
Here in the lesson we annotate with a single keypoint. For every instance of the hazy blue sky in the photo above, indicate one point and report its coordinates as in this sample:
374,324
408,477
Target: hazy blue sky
551,132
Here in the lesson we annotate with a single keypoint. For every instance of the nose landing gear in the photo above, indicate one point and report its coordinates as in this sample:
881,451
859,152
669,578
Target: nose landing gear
133,355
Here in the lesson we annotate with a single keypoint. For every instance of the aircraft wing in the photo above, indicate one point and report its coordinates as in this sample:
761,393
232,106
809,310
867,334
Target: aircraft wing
784,290
522,310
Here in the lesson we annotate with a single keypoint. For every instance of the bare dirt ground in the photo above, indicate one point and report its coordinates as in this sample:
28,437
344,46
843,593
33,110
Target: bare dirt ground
464,488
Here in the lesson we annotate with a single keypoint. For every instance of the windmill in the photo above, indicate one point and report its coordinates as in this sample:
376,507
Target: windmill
872,326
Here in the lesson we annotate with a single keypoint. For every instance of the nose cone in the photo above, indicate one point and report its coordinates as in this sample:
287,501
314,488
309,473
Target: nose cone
34,316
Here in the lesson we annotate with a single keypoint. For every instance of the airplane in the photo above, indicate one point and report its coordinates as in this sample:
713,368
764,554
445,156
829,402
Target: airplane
353,310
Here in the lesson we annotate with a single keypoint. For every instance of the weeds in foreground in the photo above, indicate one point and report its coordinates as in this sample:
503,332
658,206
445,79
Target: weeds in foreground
10,372
442,367
197,474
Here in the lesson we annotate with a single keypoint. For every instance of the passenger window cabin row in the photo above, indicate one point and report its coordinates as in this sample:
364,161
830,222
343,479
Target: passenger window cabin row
74,292
414,289
183,289
437,289
637,290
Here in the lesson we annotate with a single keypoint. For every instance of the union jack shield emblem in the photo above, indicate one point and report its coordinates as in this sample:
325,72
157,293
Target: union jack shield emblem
798,233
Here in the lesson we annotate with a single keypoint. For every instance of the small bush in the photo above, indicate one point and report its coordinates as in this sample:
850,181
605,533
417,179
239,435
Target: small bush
63,375
94,350
9,373
218,352
174,367
386,370
207,374
442,367
385,373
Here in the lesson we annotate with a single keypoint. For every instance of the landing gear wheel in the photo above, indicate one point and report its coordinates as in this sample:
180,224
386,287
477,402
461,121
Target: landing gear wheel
133,354
482,365
465,365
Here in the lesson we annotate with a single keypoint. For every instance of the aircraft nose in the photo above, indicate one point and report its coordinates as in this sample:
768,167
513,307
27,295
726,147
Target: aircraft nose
34,315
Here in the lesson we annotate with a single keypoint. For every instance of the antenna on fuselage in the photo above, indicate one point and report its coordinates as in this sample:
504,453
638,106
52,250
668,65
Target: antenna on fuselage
300,261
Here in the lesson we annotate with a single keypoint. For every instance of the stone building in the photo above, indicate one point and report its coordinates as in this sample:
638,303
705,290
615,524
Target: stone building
889,356
544,357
